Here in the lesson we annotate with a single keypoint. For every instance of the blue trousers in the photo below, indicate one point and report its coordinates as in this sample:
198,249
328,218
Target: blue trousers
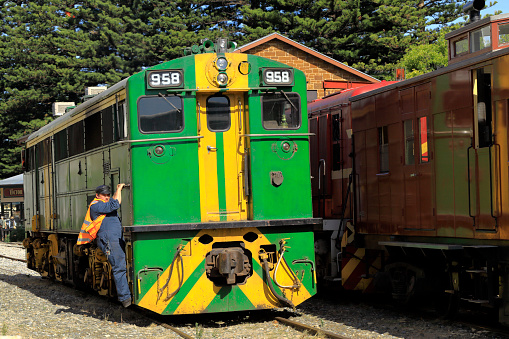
114,247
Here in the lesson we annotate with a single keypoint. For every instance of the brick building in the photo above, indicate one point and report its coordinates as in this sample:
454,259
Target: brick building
324,75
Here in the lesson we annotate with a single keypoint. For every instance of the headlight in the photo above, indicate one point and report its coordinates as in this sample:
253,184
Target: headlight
221,63
222,79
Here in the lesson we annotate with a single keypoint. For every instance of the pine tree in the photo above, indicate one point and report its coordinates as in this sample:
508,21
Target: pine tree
370,35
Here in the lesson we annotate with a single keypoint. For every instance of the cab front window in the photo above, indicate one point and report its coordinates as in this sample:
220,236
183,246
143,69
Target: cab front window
281,110
160,114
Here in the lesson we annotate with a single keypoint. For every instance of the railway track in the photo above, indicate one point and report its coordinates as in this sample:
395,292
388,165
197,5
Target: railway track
219,325
11,258
291,323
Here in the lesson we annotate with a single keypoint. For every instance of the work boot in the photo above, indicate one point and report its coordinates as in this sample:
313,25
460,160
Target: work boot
126,303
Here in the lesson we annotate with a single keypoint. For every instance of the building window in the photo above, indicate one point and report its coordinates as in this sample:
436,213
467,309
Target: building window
383,148
423,140
480,39
408,132
312,95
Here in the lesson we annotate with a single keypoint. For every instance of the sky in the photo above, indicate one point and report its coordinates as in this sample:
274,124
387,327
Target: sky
502,5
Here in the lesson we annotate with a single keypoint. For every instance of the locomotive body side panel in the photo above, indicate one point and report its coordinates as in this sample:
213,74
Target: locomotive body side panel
165,187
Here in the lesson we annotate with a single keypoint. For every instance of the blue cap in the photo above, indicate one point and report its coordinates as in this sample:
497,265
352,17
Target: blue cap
103,189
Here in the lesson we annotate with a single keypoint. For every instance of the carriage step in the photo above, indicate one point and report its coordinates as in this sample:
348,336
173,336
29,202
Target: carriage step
477,271
476,301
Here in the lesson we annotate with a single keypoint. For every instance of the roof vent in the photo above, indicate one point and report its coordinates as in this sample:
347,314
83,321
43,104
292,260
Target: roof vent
60,108
473,8
94,90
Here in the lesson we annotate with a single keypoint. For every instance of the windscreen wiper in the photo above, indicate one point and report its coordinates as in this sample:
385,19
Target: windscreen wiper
288,99
168,101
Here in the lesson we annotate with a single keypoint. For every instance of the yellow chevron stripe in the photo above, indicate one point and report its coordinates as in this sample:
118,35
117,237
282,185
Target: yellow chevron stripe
191,262
364,283
352,264
255,290
200,296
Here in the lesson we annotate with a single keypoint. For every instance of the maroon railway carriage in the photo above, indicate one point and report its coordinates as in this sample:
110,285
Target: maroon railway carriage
412,178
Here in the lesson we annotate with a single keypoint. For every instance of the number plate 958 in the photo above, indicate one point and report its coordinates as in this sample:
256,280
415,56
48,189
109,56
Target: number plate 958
277,76
166,78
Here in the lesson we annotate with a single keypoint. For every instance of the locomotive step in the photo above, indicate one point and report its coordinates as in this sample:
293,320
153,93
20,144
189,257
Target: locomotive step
476,301
483,270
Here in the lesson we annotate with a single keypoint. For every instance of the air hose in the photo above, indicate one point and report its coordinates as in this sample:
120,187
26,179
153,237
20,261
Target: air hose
181,280
283,300
295,280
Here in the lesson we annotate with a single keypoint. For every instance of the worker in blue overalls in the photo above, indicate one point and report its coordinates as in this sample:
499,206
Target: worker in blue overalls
110,238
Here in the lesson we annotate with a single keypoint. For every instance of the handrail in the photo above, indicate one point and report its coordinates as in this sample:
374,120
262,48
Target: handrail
491,187
279,135
162,139
468,184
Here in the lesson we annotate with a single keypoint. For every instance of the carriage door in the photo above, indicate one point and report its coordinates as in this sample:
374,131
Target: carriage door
222,158
418,202
484,192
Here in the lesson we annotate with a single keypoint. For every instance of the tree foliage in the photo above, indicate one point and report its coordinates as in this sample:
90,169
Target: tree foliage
51,50
421,59
369,35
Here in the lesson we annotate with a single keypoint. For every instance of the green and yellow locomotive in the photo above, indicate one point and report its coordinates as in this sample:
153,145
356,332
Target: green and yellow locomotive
217,216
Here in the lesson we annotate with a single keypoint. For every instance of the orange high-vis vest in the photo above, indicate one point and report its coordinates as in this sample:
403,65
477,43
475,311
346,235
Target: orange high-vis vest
90,227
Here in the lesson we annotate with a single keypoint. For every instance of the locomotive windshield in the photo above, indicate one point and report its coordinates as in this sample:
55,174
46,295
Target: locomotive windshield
281,110
160,114
218,113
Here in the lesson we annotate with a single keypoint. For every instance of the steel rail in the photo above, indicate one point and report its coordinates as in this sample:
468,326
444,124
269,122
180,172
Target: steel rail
309,329
179,332
11,258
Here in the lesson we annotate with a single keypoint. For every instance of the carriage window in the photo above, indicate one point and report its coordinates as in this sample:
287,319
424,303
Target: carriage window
383,148
483,114
423,140
460,46
218,113
107,123
408,130
503,34
60,140
43,152
160,114
119,118
336,145
29,160
92,131
75,133
480,39
281,110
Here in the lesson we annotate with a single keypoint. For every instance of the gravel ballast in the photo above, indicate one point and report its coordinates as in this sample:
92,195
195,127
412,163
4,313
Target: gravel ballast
33,307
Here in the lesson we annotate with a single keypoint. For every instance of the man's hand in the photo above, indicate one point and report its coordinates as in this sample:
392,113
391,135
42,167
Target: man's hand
118,193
